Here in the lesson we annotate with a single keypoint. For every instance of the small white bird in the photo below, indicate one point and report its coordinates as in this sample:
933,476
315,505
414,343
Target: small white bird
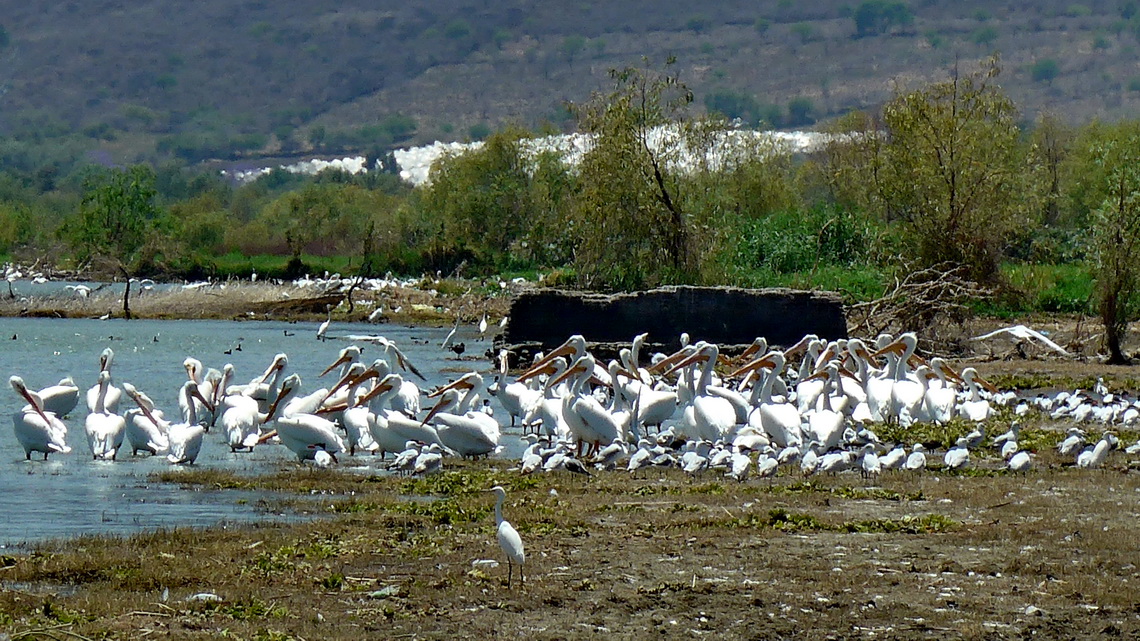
1020,462
917,459
483,325
509,539
958,456
324,327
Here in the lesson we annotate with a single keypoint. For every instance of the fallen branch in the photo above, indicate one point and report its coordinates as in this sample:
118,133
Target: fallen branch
917,301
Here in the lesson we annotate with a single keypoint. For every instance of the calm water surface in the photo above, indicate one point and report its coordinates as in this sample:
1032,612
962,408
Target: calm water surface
71,494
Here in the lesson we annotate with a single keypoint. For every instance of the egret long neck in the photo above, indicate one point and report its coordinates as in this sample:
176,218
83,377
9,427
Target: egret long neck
499,509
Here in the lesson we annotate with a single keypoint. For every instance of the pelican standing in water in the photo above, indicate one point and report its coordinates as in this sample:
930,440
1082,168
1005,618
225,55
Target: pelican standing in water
105,429
37,430
111,396
509,539
146,429
60,398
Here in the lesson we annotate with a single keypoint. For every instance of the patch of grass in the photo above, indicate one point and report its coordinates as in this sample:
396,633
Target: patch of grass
252,608
944,435
925,524
845,491
464,481
786,521
441,512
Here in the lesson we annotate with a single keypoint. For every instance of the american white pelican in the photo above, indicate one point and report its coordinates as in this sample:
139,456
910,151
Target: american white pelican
205,381
465,431
714,417
779,420
186,437
309,437
344,361
509,539
588,421
264,388
145,427
941,400
655,406
907,393
242,418
37,430
61,398
825,425
975,407
518,397
390,428
105,429
112,394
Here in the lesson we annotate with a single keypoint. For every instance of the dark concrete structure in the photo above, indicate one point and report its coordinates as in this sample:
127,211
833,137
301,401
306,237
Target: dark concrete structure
731,317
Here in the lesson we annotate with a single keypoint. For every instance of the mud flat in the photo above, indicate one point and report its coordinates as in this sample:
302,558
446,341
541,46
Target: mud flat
981,555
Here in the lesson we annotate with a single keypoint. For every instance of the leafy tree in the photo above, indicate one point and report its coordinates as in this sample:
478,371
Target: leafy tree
481,198
985,36
117,212
117,217
1051,143
949,165
1108,160
631,227
874,17
572,46
800,111
457,29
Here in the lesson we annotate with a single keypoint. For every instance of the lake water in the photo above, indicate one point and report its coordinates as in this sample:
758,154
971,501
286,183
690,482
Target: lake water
70,494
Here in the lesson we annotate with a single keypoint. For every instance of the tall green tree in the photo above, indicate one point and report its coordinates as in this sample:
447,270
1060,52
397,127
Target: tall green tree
116,214
629,219
117,217
1108,158
948,165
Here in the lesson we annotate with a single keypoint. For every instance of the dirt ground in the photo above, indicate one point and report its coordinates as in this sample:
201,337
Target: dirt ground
984,554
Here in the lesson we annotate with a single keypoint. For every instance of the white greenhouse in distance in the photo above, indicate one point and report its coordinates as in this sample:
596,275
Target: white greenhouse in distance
415,163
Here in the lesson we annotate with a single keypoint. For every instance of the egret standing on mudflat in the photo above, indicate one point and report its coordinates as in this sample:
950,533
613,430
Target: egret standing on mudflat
509,538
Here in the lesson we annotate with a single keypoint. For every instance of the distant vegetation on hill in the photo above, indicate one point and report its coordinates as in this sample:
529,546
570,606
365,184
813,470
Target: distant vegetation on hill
1024,181
155,79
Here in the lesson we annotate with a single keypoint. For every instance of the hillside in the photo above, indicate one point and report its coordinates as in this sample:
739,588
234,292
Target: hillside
249,77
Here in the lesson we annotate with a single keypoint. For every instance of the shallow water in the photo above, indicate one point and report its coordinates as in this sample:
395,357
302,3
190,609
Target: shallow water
70,494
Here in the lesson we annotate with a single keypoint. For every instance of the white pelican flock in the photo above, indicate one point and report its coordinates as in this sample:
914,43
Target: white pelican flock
815,407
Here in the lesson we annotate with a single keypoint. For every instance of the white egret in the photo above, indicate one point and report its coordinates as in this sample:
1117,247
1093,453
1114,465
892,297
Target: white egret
508,536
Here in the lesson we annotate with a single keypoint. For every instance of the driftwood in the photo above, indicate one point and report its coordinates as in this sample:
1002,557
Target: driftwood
917,302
